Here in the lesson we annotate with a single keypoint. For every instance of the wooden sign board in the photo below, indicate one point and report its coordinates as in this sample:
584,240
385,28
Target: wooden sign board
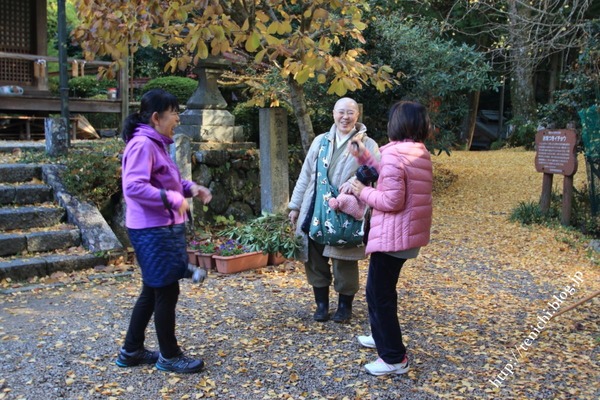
555,151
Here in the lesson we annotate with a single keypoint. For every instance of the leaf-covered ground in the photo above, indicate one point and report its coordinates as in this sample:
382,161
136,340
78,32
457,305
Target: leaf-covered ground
473,309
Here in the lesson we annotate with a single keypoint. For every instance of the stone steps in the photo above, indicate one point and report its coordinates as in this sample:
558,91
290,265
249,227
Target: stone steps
23,242
43,229
26,217
27,193
23,268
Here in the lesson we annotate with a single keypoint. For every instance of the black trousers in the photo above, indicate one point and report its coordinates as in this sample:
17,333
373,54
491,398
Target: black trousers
382,299
162,302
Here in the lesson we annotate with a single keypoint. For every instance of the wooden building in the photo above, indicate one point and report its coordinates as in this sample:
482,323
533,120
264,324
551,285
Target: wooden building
24,93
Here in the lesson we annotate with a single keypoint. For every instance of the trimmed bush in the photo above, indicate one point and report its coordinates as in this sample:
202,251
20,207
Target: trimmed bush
179,86
89,86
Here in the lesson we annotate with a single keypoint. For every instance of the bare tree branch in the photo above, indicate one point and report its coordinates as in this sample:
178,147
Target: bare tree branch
542,27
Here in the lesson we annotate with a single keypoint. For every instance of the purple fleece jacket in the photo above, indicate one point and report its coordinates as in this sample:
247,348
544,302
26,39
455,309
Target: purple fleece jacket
147,170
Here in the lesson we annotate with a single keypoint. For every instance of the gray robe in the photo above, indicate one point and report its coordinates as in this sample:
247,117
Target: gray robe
342,169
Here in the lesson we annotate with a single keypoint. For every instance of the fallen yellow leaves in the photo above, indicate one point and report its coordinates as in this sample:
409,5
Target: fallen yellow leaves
470,297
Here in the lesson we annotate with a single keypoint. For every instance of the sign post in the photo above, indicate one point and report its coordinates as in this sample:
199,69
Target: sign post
555,154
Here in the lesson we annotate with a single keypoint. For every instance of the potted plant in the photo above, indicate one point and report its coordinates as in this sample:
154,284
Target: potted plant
270,233
232,256
204,253
191,251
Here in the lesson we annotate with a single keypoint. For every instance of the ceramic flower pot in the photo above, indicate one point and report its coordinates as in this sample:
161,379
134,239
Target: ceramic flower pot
206,261
192,259
276,259
240,262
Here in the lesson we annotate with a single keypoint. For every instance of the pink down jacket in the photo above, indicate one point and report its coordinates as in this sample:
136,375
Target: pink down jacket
401,202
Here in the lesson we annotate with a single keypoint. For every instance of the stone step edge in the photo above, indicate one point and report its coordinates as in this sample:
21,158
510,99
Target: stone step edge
64,226
14,217
91,278
25,194
28,209
21,269
20,172
100,278
38,241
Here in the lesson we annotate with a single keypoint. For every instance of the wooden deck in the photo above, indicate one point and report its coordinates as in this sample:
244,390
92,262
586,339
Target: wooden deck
28,104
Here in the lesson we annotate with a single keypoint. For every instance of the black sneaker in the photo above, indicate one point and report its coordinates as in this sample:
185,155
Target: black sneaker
142,356
180,364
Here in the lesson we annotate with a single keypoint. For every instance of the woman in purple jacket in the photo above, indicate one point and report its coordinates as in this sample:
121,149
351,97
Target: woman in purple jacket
400,225
156,202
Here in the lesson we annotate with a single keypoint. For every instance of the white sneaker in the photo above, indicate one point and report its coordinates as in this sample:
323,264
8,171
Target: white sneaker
196,274
199,275
367,341
380,367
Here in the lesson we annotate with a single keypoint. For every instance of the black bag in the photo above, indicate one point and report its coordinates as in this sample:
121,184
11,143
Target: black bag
366,225
367,176
305,227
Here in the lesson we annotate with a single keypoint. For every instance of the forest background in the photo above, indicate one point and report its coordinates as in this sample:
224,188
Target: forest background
455,57
536,64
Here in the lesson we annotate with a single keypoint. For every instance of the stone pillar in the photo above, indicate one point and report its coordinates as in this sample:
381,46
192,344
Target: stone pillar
274,174
181,153
57,136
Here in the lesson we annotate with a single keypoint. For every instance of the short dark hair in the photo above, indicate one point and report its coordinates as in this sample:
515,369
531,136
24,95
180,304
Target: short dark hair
155,100
408,120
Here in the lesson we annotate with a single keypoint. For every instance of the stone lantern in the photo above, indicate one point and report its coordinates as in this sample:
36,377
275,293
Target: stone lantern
206,118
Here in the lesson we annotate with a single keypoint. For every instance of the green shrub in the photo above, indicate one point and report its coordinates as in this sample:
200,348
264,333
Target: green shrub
53,85
523,134
528,213
581,213
497,145
247,117
93,171
89,86
180,87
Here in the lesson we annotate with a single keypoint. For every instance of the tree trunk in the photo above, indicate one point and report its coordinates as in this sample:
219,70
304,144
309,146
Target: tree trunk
554,75
307,133
472,118
522,89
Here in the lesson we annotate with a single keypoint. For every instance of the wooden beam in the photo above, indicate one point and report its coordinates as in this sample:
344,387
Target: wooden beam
35,57
52,104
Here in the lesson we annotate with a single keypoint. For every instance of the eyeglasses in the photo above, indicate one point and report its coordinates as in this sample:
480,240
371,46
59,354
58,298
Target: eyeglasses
349,113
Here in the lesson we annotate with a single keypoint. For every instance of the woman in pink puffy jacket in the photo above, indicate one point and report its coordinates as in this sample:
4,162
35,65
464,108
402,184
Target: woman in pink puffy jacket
400,226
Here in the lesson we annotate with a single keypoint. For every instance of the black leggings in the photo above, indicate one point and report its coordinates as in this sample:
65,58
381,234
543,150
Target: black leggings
160,301
382,299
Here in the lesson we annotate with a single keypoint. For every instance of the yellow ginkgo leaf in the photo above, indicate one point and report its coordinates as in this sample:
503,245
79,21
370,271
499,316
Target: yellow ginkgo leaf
253,42
259,56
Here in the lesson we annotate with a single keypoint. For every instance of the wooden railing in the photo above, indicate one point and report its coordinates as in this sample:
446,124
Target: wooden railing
40,67
36,97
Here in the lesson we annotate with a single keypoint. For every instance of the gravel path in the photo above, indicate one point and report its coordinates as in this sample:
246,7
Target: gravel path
469,307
